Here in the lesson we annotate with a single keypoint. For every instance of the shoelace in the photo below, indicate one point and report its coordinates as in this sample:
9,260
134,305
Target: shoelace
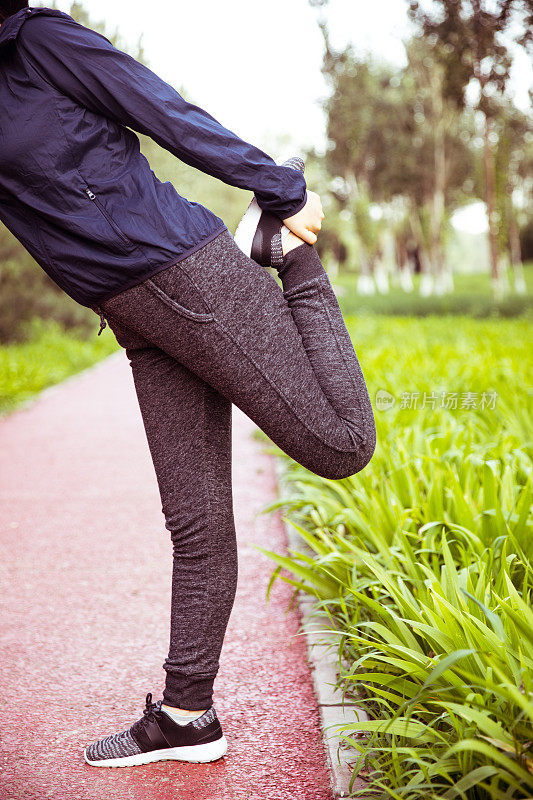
148,713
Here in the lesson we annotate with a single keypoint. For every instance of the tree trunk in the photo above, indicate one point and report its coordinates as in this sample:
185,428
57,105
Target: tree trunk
404,277
490,200
515,254
426,272
438,204
365,281
333,265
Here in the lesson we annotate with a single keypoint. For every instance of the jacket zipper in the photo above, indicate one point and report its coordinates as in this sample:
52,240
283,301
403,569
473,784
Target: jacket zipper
91,195
103,322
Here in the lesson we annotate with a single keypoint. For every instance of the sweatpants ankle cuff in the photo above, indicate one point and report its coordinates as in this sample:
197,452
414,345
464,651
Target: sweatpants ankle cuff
190,692
300,265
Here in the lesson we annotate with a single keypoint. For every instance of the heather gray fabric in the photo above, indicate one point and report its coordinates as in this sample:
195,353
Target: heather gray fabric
119,745
215,329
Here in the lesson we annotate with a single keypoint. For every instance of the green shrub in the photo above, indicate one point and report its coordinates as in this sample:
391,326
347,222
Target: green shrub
48,355
27,292
472,297
423,562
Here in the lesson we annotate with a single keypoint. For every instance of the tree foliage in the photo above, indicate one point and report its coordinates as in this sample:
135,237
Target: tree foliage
471,40
409,138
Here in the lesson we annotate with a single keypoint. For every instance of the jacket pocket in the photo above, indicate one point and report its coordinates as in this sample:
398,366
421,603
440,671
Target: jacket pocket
125,244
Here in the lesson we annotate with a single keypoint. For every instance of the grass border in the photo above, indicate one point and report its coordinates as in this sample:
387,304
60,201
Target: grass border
321,654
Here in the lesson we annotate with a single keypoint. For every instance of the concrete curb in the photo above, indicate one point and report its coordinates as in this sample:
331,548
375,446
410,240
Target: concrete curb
321,652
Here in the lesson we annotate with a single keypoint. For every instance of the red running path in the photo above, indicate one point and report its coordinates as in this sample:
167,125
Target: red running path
85,565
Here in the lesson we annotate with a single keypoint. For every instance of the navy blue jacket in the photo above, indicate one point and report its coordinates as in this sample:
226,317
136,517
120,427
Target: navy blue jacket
75,189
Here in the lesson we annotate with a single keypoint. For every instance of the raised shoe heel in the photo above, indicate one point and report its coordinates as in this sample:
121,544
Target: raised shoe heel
244,235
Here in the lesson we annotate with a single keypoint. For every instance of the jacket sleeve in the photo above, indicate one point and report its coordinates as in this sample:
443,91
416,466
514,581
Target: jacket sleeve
85,66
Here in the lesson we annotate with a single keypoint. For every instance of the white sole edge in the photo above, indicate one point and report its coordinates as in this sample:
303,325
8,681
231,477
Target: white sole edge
244,235
197,753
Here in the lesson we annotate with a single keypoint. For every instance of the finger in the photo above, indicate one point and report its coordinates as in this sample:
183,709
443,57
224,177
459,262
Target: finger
306,235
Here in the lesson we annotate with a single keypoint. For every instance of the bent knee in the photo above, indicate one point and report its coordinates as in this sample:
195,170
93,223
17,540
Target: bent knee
338,465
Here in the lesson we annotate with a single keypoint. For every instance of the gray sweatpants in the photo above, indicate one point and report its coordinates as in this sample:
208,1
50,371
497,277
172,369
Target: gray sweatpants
215,329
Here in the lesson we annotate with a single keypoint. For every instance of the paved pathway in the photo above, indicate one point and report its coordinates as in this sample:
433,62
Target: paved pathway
85,567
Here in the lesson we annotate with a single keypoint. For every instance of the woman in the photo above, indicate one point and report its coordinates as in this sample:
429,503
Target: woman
204,325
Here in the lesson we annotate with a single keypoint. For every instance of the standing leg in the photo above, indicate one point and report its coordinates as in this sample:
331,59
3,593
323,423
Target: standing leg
213,329
188,427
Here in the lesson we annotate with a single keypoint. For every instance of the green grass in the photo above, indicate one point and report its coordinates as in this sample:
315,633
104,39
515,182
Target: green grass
424,562
50,356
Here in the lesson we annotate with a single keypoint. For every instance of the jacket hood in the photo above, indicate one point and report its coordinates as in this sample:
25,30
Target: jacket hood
10,28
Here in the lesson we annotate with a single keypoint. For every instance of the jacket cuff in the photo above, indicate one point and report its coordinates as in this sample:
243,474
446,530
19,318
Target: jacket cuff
295,209
282,211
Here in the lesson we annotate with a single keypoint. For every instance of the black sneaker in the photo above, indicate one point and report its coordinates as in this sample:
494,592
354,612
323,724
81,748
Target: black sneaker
260,233
156,737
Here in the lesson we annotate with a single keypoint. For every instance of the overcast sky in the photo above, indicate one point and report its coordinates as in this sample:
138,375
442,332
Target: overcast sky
255,66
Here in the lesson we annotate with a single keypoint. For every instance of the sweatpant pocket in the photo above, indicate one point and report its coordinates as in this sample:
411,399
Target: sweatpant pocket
175,287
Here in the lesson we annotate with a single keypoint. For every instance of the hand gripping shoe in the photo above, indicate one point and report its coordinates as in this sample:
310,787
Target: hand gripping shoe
260,233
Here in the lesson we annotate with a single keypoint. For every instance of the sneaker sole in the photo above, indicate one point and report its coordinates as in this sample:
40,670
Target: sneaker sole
244,235
197,754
